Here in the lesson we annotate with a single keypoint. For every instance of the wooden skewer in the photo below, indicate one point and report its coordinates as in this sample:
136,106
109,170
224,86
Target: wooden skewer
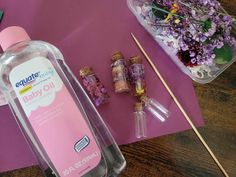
179,106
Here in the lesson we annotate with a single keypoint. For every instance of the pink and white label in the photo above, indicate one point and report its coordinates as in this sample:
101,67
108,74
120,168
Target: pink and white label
55,118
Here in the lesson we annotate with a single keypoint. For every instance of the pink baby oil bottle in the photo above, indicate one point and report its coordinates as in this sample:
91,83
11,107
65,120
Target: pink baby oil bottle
59,121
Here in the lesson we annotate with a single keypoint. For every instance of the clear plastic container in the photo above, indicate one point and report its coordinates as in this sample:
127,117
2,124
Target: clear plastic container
203,72
55,114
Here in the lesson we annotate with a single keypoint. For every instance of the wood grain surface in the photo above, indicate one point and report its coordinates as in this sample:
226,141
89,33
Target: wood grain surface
182,155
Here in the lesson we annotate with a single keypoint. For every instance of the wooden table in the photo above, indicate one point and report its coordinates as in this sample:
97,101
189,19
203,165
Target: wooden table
182,155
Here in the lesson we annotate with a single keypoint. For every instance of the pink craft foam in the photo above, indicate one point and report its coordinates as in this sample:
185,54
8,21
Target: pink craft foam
12,35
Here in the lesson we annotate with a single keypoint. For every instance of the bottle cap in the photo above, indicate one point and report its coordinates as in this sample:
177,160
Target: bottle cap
117,56
12,35
135,59
85,71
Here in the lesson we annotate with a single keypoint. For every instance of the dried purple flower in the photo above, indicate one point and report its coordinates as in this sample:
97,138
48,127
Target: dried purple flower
94,87
197,26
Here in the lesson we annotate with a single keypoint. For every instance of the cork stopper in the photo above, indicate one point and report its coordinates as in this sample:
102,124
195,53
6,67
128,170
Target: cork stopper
135,59
144,98
117,56
138,106
85,71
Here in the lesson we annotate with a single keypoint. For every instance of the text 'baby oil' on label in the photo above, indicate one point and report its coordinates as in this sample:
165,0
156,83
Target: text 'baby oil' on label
35,87
55,118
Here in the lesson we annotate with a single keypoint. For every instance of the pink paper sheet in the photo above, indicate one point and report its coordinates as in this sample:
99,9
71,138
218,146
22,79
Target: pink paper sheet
88,32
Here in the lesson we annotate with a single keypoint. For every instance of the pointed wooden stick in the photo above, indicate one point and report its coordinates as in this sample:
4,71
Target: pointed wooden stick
179,106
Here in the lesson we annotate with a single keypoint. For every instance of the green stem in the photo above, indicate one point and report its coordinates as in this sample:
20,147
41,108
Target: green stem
167,12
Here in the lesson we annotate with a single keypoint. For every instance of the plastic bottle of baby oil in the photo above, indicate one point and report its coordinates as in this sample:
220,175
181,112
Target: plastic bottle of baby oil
58,119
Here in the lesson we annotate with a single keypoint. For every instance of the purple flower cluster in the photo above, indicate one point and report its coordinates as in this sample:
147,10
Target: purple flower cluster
136,72
199,26
95,89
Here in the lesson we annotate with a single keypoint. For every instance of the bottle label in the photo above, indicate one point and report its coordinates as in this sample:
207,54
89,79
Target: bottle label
55,118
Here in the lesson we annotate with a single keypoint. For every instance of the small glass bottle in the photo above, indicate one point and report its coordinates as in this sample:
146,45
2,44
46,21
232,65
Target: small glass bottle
155,108
140,121
136,71
119,73
94,86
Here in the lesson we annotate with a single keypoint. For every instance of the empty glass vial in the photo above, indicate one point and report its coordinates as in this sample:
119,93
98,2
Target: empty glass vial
136,71
119,73
155,108
140,121
94,87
